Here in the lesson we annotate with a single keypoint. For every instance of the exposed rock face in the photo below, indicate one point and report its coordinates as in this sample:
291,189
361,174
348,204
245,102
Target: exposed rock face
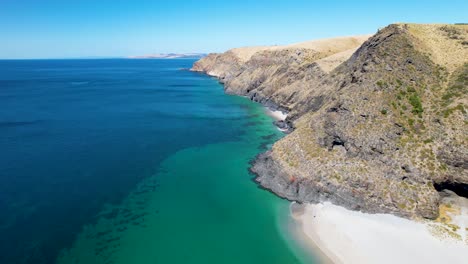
223,66
374,131
277,76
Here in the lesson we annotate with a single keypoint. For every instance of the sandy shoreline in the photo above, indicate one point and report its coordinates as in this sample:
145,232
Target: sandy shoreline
345,236
296,228
276,114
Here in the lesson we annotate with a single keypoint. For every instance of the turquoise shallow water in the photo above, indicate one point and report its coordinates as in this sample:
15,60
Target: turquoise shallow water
128,161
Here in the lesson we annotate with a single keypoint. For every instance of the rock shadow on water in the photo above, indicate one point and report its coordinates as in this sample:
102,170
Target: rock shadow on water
251,124
8,124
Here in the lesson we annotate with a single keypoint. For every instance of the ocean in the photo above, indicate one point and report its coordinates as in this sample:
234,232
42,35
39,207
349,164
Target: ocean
133,161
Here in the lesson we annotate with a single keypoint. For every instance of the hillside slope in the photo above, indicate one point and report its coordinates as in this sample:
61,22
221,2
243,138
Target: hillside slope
378,131
277,75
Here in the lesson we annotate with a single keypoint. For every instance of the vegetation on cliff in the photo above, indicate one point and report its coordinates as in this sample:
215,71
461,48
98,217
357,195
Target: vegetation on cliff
376,129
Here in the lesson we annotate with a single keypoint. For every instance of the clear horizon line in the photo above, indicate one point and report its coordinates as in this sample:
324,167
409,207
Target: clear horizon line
90,58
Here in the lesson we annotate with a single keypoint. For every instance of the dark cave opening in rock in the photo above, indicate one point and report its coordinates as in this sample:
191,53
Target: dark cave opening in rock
461,189
337,141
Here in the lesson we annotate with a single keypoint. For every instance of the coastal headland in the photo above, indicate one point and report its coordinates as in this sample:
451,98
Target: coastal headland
375,123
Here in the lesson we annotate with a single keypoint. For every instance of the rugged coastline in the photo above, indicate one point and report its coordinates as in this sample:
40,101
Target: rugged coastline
378,120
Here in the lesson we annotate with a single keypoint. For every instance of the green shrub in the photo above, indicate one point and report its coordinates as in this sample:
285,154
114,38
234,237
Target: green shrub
381,84
410,89
415,101
449,111
427,141
399,82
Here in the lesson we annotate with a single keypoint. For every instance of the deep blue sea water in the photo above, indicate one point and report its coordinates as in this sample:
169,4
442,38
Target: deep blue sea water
98,156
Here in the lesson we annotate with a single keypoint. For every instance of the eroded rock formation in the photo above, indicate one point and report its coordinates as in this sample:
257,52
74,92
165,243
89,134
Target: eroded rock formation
376,124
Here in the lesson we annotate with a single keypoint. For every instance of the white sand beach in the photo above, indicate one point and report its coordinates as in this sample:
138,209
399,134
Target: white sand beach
277,114
346,236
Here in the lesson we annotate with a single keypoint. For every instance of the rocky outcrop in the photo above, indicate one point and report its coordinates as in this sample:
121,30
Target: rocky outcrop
373,132
277,76
223,66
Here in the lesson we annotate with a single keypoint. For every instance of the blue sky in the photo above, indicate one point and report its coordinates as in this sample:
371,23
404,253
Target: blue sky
74,28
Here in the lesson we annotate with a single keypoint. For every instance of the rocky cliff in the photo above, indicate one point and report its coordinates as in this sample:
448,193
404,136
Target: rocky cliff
379,125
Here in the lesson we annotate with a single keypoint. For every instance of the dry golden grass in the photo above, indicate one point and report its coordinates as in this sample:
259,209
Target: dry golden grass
445,212
442,232
245,53
328,46
331,62
443,43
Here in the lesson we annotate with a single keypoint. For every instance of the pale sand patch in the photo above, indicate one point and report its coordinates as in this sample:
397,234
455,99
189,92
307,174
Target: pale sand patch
328,46
276,114
332,45
245,53
353,237
329,63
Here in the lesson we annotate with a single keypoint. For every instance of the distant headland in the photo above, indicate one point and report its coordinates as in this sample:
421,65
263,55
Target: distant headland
170,56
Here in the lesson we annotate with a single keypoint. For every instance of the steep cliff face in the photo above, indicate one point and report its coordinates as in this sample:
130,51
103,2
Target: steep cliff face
377,131
277,76
223,66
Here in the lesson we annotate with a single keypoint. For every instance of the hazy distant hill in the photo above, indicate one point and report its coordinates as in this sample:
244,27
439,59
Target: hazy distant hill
170,56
